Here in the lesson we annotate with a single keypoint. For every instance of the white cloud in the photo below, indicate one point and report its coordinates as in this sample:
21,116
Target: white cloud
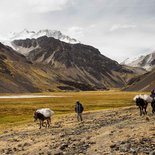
118,28
122,26
76,32
47,5
92,26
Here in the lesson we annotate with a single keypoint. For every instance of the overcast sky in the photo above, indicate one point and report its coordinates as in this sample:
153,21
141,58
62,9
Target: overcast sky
118,28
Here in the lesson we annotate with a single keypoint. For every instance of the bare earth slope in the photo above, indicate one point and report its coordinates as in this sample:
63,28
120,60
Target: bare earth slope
118,131
144,82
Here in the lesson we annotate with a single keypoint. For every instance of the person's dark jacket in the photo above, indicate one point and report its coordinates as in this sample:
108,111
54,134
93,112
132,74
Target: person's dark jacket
79,108
153,93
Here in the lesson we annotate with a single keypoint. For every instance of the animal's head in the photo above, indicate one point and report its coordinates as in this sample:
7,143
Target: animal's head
35,116
140,101
38,115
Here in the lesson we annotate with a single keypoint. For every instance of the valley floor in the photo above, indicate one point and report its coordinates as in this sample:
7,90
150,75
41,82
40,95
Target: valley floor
107,132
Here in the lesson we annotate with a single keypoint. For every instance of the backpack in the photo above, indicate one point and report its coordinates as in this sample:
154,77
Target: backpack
79,108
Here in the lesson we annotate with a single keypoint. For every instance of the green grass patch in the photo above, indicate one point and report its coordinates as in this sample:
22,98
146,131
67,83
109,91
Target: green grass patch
18,111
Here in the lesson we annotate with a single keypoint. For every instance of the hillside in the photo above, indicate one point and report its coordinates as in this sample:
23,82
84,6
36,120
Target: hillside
77,61
118,131
12,68
144,82
48,64
17,74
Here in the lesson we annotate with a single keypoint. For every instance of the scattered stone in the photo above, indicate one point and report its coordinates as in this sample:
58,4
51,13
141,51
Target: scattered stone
8,151
123,149
15,149
152,153
19,145
5,131
26,144
16,140
49,153
63,146
147,118
113,146
62,135
91,142
32,139
85,146
132,150
58,153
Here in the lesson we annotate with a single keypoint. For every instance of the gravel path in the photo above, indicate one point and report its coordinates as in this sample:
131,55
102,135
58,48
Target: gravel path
111,132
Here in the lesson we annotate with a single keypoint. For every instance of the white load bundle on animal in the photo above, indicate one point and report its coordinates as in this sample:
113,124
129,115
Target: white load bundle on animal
145,97
46,112
138,96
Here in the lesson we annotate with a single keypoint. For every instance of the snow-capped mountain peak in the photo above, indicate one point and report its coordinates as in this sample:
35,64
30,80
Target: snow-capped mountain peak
45,32
24,34
21,35
144,61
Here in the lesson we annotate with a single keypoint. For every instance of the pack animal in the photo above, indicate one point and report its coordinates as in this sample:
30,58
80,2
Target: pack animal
153,106
43,114
142,102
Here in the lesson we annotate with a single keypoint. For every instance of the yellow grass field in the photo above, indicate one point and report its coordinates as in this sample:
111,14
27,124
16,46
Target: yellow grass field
18,111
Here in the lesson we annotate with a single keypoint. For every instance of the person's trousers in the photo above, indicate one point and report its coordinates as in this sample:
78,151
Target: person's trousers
79,116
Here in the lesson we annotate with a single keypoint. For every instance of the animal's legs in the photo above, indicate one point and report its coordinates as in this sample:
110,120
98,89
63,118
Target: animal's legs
40,124
141,112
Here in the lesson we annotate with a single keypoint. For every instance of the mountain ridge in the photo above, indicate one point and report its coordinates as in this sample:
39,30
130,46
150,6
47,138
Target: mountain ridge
83,59
44,32
56,65
26,34
144,61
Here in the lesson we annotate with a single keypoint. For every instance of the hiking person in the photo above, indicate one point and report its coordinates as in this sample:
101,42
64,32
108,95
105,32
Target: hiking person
153,93
79,109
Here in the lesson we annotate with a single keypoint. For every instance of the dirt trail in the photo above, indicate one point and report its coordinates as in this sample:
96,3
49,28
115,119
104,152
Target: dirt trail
111,132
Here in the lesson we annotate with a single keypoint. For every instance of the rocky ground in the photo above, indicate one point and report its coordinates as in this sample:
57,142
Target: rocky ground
110,132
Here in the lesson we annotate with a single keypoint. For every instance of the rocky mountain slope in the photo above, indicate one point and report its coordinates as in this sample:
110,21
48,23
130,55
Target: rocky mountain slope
145,82
146,61
48,64
17,74
118,131
77,61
